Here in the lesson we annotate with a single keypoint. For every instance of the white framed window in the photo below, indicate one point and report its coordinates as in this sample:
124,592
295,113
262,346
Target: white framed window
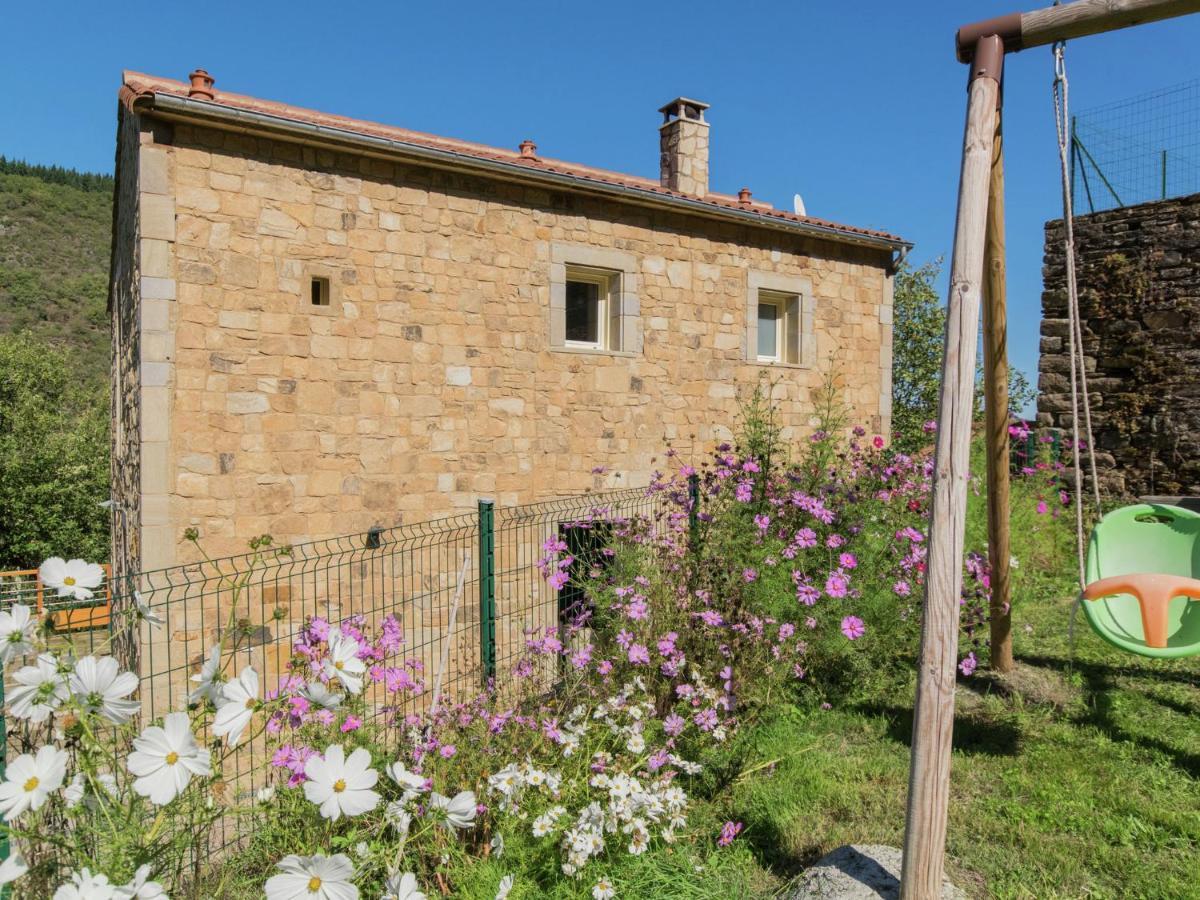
778,327
593,302
779,313
594,305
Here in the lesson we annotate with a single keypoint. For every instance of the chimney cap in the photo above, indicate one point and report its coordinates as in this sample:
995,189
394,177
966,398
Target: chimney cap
528,149
744,196
201,84
684,108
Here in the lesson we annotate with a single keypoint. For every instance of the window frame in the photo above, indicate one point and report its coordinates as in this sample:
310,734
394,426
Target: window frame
792,297
604,281
779,304
620,321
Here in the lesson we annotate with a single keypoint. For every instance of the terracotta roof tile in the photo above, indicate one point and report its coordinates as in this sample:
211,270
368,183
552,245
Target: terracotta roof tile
137,85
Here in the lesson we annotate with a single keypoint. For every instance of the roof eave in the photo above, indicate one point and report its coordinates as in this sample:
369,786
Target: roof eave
173,107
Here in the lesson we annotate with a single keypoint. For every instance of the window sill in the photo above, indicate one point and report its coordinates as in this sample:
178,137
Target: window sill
594,351
777,364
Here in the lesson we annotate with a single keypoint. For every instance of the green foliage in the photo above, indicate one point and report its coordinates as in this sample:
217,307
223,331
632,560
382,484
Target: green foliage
918,340
920,323
54,255
53,455
85,181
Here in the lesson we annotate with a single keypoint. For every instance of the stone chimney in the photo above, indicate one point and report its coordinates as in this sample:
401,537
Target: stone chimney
683,142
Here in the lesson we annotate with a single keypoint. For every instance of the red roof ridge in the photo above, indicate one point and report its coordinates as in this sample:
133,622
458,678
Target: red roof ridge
136,85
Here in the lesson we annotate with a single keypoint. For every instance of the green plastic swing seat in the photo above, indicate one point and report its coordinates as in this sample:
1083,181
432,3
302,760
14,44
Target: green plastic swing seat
1154,550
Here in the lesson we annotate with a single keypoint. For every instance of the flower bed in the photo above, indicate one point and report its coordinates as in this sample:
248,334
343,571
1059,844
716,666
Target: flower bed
789,581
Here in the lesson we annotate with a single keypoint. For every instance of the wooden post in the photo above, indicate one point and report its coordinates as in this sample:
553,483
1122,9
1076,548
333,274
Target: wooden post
995,389
933,724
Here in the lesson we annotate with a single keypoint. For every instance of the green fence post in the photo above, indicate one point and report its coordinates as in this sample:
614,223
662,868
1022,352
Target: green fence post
4,847
487,588
694,510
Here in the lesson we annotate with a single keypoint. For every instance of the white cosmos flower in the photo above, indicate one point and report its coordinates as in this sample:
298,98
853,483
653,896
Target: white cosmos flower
497,843
412,783
460,811
30,780
86,885
207,680
81,790
141,888
341,785
402,887
319,695
42,689
343,663
236,706
506,885
101,688
603,890
75,578
165,759
17,629
316,877
13,868
265,795
145,613
398,817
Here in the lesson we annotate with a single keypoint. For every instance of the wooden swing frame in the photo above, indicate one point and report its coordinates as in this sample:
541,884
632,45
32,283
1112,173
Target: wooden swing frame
977,277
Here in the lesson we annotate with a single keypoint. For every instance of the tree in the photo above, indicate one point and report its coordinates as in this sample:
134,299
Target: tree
53,456
918,332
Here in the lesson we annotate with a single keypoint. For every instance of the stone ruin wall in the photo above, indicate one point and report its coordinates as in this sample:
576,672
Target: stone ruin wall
1139,295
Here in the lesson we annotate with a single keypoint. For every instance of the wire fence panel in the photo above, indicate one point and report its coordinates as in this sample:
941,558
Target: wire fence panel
258,604
1138,150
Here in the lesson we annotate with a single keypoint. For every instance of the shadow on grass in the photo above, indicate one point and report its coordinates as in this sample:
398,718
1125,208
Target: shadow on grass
1099,687
972,734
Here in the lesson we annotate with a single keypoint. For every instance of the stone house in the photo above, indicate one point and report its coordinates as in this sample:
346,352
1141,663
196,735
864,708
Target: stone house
322,324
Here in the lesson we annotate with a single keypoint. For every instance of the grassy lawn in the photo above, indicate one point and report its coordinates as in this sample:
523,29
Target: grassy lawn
1079,777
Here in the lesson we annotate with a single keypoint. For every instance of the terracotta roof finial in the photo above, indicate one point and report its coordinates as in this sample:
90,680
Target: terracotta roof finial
528,149
202,84
744,196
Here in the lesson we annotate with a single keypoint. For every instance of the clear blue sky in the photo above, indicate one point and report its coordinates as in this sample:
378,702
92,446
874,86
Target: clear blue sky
857,106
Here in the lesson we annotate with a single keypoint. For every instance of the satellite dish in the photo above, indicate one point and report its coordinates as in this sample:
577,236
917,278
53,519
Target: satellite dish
798,205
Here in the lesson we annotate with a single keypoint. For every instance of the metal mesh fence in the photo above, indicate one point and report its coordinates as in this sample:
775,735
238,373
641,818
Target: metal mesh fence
1137,150
258,603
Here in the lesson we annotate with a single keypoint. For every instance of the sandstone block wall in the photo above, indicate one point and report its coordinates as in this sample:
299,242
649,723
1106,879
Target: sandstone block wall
1139,292
430,380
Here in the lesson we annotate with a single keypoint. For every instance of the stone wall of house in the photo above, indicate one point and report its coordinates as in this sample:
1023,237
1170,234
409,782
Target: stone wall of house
431,381
124,315
1139,293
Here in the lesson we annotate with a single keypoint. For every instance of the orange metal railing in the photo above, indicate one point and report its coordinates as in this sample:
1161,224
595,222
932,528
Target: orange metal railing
25,586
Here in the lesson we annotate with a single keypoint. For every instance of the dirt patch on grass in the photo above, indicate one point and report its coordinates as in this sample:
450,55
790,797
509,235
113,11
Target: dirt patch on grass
1033,684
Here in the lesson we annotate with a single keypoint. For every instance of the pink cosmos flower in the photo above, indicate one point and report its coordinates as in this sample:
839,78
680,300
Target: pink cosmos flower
1041,507
853,627
848,561
807,594
674,724
729,831
638,654
968,665
878,442
837,585
749,575
352,723
901,589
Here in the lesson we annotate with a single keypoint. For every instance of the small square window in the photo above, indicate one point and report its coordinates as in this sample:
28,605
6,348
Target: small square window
592,314
319,295
778,331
